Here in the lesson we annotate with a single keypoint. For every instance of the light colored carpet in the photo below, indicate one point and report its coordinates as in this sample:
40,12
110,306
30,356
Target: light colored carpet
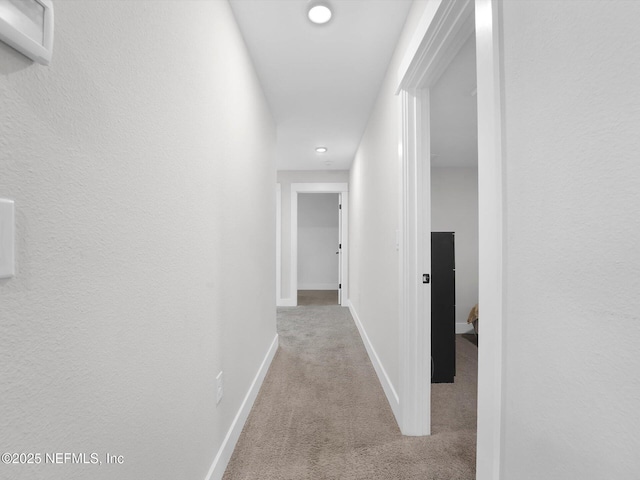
317,297
321,412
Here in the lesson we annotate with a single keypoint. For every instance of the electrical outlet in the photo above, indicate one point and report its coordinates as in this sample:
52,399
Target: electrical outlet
219,389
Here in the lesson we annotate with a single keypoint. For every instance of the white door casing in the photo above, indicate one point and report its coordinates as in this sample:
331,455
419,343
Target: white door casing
443,29
278,242
491,237
343,190
339,249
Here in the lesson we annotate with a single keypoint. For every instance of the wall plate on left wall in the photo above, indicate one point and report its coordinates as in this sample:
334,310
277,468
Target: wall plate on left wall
7,238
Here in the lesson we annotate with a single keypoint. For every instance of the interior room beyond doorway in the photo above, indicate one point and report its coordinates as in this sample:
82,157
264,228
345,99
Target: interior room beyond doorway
318,248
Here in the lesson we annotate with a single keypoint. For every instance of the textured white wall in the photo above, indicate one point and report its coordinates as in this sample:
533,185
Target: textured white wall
375,215
141,167
286,178
454,208
572,326
318,238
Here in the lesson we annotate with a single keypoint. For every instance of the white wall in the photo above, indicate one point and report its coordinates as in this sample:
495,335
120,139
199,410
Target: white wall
572,325
454,208
141,166
285,179
318,239
374,188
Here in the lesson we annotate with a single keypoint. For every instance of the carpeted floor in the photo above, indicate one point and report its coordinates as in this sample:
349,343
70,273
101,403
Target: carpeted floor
321,412
317,297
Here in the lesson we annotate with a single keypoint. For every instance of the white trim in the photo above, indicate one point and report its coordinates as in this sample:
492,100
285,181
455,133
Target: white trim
318,286
416,42
462,328
288,302
441,32
344,274
385,381
216,471
340,252
278,243
415,329
491,237
296,188
443,29
18,35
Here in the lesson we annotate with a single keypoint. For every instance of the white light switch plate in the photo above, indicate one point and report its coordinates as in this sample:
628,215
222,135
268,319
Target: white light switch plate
219,388
7,239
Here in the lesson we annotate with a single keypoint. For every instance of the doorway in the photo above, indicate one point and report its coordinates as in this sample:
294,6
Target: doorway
318,248
453,134
441,33
341,190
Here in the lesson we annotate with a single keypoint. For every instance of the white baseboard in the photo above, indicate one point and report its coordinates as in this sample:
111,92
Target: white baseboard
317,286
229,443
286,302
387,386
464,328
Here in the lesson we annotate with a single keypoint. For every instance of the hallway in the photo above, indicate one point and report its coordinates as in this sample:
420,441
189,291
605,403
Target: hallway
148,181
322,414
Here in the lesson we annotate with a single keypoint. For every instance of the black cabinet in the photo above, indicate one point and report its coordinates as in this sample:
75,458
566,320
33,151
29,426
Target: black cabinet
443,307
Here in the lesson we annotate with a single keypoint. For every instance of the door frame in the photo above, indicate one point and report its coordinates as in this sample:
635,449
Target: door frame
340,252
442,30
339,188
278,243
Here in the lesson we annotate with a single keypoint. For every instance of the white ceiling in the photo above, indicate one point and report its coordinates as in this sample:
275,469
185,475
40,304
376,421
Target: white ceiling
320,80
454,116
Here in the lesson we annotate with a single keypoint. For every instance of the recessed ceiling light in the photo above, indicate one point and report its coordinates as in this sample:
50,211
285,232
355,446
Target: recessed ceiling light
319,13
321,149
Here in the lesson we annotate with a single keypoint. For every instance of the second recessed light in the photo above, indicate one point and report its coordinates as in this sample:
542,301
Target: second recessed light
321,149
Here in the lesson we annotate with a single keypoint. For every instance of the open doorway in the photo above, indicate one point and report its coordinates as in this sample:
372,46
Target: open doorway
453,134
443,30
318,248
340,248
